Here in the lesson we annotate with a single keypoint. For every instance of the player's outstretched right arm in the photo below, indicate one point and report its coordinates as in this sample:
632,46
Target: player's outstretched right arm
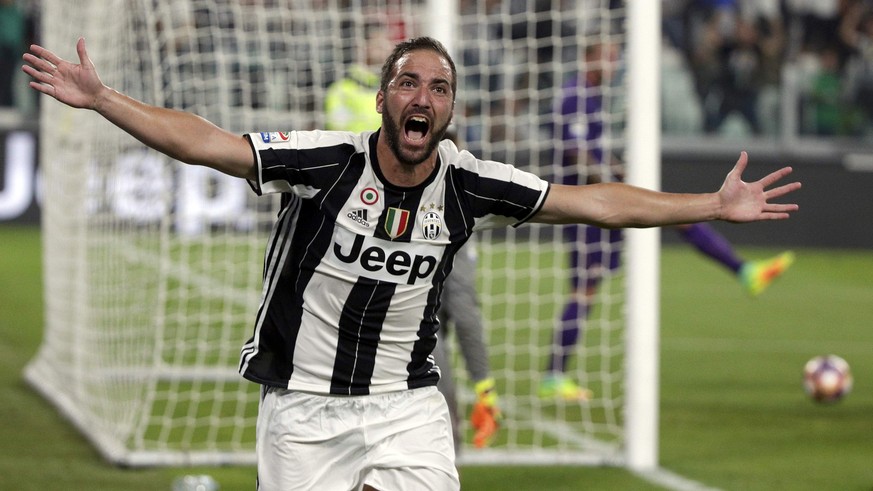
183,136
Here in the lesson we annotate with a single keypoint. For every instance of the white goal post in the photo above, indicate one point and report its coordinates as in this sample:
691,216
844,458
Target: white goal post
152,269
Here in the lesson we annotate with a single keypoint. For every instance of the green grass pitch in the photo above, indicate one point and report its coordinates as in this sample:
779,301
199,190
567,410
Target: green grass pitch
733,413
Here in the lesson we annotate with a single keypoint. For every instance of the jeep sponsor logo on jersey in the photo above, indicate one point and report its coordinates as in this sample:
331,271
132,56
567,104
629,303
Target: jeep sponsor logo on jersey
378,259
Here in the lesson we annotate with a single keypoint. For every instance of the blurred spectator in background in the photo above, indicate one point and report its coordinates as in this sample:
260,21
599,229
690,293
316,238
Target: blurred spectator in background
856,32
739,79
738,51
815,23
13,42
772,38
729,61
825,108
712,24
677,24
484,53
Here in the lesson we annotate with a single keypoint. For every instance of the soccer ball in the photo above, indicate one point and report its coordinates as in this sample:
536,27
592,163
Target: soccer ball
827,378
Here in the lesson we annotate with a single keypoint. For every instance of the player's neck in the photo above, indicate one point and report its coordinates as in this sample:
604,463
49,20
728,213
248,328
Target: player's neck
403,174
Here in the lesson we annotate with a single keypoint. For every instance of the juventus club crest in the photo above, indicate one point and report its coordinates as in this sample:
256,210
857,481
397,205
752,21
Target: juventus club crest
431,225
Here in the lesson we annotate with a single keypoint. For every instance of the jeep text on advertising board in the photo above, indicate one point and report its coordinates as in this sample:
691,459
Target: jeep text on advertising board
19,189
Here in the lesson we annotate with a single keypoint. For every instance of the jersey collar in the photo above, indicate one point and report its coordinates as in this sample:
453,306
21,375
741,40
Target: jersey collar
374,161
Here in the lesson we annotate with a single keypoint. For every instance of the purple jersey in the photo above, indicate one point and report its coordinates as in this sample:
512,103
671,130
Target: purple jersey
581,130
581,126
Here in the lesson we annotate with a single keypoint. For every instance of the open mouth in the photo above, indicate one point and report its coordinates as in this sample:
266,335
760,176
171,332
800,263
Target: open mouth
416,128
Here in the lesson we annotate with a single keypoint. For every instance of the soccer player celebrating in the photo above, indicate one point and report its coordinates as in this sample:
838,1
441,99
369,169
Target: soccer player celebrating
350,105
343,337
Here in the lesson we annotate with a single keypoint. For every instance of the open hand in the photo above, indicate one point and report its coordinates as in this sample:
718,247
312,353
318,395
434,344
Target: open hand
75,85
750,201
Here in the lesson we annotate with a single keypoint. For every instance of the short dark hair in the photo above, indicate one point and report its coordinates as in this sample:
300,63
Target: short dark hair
416,44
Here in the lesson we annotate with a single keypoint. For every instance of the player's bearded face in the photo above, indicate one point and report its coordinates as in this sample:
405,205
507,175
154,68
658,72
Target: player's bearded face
417,106
395,134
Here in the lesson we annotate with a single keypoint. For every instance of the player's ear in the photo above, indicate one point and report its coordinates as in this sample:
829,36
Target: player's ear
380,98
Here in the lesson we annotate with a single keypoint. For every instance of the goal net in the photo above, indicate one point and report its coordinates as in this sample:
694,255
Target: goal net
153,269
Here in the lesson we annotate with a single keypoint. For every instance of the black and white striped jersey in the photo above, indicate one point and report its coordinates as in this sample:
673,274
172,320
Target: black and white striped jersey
354,266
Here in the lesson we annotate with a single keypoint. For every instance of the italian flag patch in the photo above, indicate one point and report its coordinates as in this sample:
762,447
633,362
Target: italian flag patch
396,221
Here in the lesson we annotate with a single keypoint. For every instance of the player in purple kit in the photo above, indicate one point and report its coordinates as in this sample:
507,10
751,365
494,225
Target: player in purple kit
354,268
594,252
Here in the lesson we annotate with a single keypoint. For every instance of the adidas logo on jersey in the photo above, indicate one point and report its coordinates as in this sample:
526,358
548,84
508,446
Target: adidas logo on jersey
360,216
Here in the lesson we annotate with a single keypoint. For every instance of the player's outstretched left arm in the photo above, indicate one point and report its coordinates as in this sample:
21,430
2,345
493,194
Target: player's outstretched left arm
183,136
619,205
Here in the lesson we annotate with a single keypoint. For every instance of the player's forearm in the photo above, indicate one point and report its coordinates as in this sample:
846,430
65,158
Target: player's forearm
183,136
618,205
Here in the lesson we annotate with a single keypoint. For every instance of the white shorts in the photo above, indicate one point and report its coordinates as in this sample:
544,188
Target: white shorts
395,441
